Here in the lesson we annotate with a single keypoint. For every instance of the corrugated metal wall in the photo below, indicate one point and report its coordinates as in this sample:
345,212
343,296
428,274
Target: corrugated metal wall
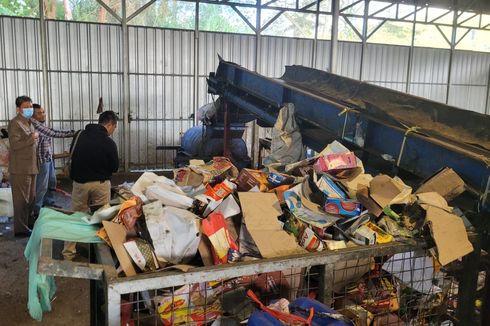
85,63
20,64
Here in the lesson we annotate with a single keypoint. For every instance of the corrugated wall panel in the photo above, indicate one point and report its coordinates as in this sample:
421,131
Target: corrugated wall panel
469,77
323,55
277,52
430,66
161,93
20,41
349,59
19,63
470,68
468,97
84,47
429,73
393,59
231,47
84,64
158,51
14,83
432,92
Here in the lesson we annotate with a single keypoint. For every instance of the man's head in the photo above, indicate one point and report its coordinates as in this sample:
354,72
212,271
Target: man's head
39,113
24,106
109,120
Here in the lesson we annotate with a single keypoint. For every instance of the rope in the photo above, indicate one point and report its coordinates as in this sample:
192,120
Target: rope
409,130
346,112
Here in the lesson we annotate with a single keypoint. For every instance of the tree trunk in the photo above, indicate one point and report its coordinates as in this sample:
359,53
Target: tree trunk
68,14
102,16
50,9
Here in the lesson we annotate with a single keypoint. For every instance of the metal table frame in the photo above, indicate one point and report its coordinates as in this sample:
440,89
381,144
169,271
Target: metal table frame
113,286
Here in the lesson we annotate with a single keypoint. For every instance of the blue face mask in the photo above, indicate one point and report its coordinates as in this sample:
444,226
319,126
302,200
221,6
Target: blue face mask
27,112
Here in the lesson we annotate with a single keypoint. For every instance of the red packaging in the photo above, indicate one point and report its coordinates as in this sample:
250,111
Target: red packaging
214,227
335,161
218,192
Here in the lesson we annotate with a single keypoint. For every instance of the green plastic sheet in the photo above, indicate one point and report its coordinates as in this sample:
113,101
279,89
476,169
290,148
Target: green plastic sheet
52,224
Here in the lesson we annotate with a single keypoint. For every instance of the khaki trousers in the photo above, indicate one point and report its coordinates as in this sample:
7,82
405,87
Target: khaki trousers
23,195
84,195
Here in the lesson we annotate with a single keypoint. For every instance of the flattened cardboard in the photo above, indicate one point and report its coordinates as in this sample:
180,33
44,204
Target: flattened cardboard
187,177
449,234
362,196
433,199
117,235
386,191
205,251
445,182
260,211
362,180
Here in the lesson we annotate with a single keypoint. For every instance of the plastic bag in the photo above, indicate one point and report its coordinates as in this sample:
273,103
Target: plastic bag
173,231
6,202
287,144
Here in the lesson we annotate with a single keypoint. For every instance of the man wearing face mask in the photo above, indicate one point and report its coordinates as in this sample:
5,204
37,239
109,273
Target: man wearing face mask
23,166
47,177
93,161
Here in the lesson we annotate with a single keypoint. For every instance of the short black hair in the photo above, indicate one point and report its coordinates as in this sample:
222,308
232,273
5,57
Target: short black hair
108,117
36,106
22,99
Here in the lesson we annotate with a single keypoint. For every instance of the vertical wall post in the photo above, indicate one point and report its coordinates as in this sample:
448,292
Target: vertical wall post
451,51
258,31
487,101
410,53
364,36
44,57
315,40
255,128
196,63
126,109
334,44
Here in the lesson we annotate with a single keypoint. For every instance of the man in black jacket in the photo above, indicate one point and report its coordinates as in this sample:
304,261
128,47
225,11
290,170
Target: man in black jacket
93,161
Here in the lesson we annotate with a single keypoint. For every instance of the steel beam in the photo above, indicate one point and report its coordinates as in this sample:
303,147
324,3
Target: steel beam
334,44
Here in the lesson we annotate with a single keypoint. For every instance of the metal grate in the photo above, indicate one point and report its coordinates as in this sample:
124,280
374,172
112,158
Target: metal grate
401,289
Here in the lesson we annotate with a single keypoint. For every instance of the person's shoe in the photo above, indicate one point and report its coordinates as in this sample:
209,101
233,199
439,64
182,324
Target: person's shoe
23,234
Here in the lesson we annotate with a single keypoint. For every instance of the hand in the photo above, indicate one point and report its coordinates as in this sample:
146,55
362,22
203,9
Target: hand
35,135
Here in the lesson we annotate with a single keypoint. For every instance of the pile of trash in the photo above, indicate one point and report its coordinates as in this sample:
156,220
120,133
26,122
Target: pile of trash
323,203
210,213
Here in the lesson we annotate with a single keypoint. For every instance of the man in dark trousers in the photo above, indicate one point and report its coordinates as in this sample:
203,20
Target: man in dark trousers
93,161
23,164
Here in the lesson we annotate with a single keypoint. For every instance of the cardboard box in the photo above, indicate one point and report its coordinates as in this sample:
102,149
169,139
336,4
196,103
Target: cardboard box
335,162
330,188
363,197
248,178
386,191
260,212
362,180
446,182
117,235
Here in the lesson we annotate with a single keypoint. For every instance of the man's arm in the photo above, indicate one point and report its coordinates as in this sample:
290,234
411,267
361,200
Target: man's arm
18,137
114,157
50,132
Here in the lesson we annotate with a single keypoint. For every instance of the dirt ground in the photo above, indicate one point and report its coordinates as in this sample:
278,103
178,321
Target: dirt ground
71,303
